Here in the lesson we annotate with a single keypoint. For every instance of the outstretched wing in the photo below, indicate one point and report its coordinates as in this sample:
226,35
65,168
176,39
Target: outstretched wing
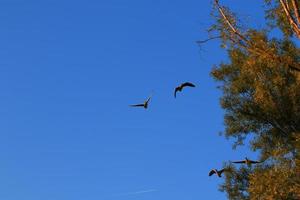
253,161
137,105
222,170
147,101
212,172
188,84
176,90
239,162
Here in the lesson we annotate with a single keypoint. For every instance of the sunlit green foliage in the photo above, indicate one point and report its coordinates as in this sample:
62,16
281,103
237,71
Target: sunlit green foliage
261,99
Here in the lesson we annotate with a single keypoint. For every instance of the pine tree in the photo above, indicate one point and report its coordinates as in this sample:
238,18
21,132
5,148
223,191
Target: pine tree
261,99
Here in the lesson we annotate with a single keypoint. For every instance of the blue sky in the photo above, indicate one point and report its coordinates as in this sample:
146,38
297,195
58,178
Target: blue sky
69,70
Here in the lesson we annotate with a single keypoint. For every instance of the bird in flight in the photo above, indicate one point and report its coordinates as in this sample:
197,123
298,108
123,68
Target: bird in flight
218,172
144,105
183,85
247,161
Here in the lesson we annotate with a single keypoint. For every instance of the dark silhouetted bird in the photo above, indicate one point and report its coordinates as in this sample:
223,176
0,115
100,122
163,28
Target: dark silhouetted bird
218,172
183,85
145,104
247,161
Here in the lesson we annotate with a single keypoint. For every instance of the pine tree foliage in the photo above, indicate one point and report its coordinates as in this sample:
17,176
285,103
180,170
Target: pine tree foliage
284,14
261,99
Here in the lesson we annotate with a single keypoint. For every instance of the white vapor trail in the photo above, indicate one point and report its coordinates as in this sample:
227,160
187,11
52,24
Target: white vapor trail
137,192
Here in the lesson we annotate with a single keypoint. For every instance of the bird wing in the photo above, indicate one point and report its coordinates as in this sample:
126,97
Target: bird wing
147,101
222,170
253,161
212,172
188,84
238,162
176,90
137,105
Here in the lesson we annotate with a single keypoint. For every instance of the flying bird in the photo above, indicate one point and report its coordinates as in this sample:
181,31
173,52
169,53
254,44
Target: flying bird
144,105
183,85
218,172
247,161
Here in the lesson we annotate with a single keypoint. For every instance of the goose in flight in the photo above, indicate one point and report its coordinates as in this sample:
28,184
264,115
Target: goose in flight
144,105
183,85
218,172
247,161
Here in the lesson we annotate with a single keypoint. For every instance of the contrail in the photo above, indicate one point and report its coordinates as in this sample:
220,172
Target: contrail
137,192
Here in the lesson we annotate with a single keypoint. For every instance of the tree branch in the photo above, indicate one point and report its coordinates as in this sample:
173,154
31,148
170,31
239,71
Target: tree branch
296,10
290,18
264,119
208,39
234,30
252,47
287,5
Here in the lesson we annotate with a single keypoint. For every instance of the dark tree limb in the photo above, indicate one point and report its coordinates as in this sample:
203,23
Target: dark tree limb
208,39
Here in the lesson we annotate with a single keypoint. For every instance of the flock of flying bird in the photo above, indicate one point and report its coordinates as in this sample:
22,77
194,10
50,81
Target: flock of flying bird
177,89
246,161
213,171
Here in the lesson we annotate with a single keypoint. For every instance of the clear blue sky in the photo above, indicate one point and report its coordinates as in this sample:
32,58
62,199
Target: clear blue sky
69,70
